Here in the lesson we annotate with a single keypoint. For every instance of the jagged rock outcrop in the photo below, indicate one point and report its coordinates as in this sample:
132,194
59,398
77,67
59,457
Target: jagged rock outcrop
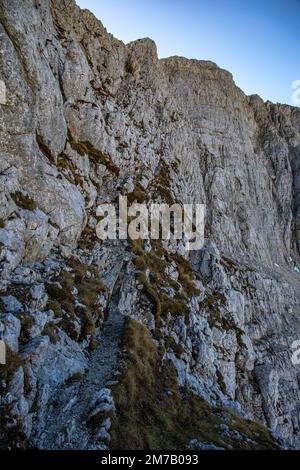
85,118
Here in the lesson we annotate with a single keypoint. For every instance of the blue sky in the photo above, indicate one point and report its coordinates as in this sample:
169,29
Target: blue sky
258,41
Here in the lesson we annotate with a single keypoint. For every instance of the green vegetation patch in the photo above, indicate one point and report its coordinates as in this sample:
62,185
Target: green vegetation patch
62,300
24,201
161,184
152,412
156,261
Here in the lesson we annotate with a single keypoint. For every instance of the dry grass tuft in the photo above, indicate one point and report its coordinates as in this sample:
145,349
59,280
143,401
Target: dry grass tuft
62,301
156,261
152,412
24,201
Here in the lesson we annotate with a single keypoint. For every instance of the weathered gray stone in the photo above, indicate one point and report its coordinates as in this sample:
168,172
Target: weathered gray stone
11,304
11,327
83,118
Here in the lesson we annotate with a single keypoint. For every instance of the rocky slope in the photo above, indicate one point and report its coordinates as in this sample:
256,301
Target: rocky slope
132,344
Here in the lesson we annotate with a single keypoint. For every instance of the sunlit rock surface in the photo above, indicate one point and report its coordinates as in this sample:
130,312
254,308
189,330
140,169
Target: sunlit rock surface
84,118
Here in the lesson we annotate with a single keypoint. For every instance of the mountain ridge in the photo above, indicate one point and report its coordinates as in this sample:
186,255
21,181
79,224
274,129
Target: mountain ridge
85,119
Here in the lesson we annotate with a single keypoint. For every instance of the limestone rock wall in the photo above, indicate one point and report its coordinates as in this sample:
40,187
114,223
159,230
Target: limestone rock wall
86,118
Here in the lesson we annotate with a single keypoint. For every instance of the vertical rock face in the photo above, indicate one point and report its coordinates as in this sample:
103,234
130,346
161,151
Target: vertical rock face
85,118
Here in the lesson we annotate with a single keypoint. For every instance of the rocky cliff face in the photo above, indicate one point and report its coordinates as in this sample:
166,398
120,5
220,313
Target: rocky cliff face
98,331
